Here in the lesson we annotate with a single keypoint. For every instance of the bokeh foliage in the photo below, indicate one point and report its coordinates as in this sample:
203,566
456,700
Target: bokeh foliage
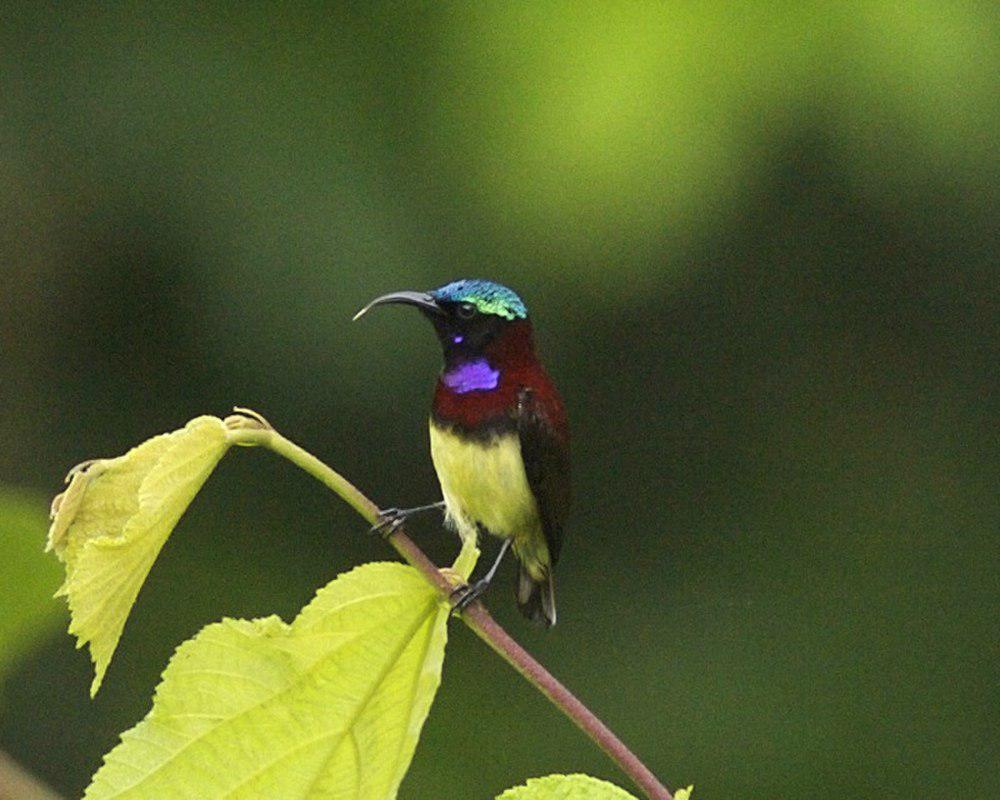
759,243
29,578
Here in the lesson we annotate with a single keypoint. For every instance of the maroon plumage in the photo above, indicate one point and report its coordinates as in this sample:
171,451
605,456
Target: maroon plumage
512,351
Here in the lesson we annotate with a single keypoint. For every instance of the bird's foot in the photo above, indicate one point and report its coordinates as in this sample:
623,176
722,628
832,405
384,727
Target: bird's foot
464,596
390,519
388,522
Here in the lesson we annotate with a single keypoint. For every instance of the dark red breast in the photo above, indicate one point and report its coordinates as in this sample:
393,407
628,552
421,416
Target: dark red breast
479,413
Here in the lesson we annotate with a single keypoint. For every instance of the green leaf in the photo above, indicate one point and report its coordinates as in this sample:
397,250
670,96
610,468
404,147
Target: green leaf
466,560
27,577
110,524
683,794
330,706
566,787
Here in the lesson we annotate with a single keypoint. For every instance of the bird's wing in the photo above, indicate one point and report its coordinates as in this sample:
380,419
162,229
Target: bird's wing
545,452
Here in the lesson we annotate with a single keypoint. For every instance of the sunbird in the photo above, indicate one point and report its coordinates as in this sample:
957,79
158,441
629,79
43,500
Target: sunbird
498,434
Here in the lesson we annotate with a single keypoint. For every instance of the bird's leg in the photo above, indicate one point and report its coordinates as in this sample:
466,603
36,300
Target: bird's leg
389,519
464,596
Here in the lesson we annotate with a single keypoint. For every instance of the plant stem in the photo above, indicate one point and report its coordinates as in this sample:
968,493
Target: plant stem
16,783
476,617
489,630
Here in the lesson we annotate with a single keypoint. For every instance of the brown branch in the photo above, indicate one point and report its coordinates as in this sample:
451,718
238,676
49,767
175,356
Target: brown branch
16,783
255,431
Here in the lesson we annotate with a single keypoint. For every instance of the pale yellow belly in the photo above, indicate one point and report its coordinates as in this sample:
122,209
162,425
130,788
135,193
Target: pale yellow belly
486,483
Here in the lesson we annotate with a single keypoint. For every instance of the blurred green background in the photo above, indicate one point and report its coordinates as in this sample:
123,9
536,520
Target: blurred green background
759,242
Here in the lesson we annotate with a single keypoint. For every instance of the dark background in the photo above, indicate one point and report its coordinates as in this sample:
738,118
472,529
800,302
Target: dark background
760,249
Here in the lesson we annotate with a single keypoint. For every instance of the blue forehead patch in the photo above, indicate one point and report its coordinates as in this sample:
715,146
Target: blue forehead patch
488,297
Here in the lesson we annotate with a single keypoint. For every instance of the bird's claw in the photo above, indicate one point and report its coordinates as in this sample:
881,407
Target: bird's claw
464,596
388,522
389,519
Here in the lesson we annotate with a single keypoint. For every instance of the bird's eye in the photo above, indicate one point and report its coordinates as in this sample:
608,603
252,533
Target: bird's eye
466,310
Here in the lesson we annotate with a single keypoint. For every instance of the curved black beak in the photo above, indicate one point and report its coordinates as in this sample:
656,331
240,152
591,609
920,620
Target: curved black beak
421,300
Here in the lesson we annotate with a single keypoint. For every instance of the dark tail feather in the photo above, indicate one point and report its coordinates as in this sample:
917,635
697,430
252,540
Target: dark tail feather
537,599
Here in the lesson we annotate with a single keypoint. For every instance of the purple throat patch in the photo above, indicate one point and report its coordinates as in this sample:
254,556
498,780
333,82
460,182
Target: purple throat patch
472,376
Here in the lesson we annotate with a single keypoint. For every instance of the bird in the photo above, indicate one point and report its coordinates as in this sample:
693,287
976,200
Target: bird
499,437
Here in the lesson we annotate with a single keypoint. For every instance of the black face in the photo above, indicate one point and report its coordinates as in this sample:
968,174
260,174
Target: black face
464,331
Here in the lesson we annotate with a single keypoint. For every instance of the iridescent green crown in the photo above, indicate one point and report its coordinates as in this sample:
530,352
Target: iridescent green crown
487,296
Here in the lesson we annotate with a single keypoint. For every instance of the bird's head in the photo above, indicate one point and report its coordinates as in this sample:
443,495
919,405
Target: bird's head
470,316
